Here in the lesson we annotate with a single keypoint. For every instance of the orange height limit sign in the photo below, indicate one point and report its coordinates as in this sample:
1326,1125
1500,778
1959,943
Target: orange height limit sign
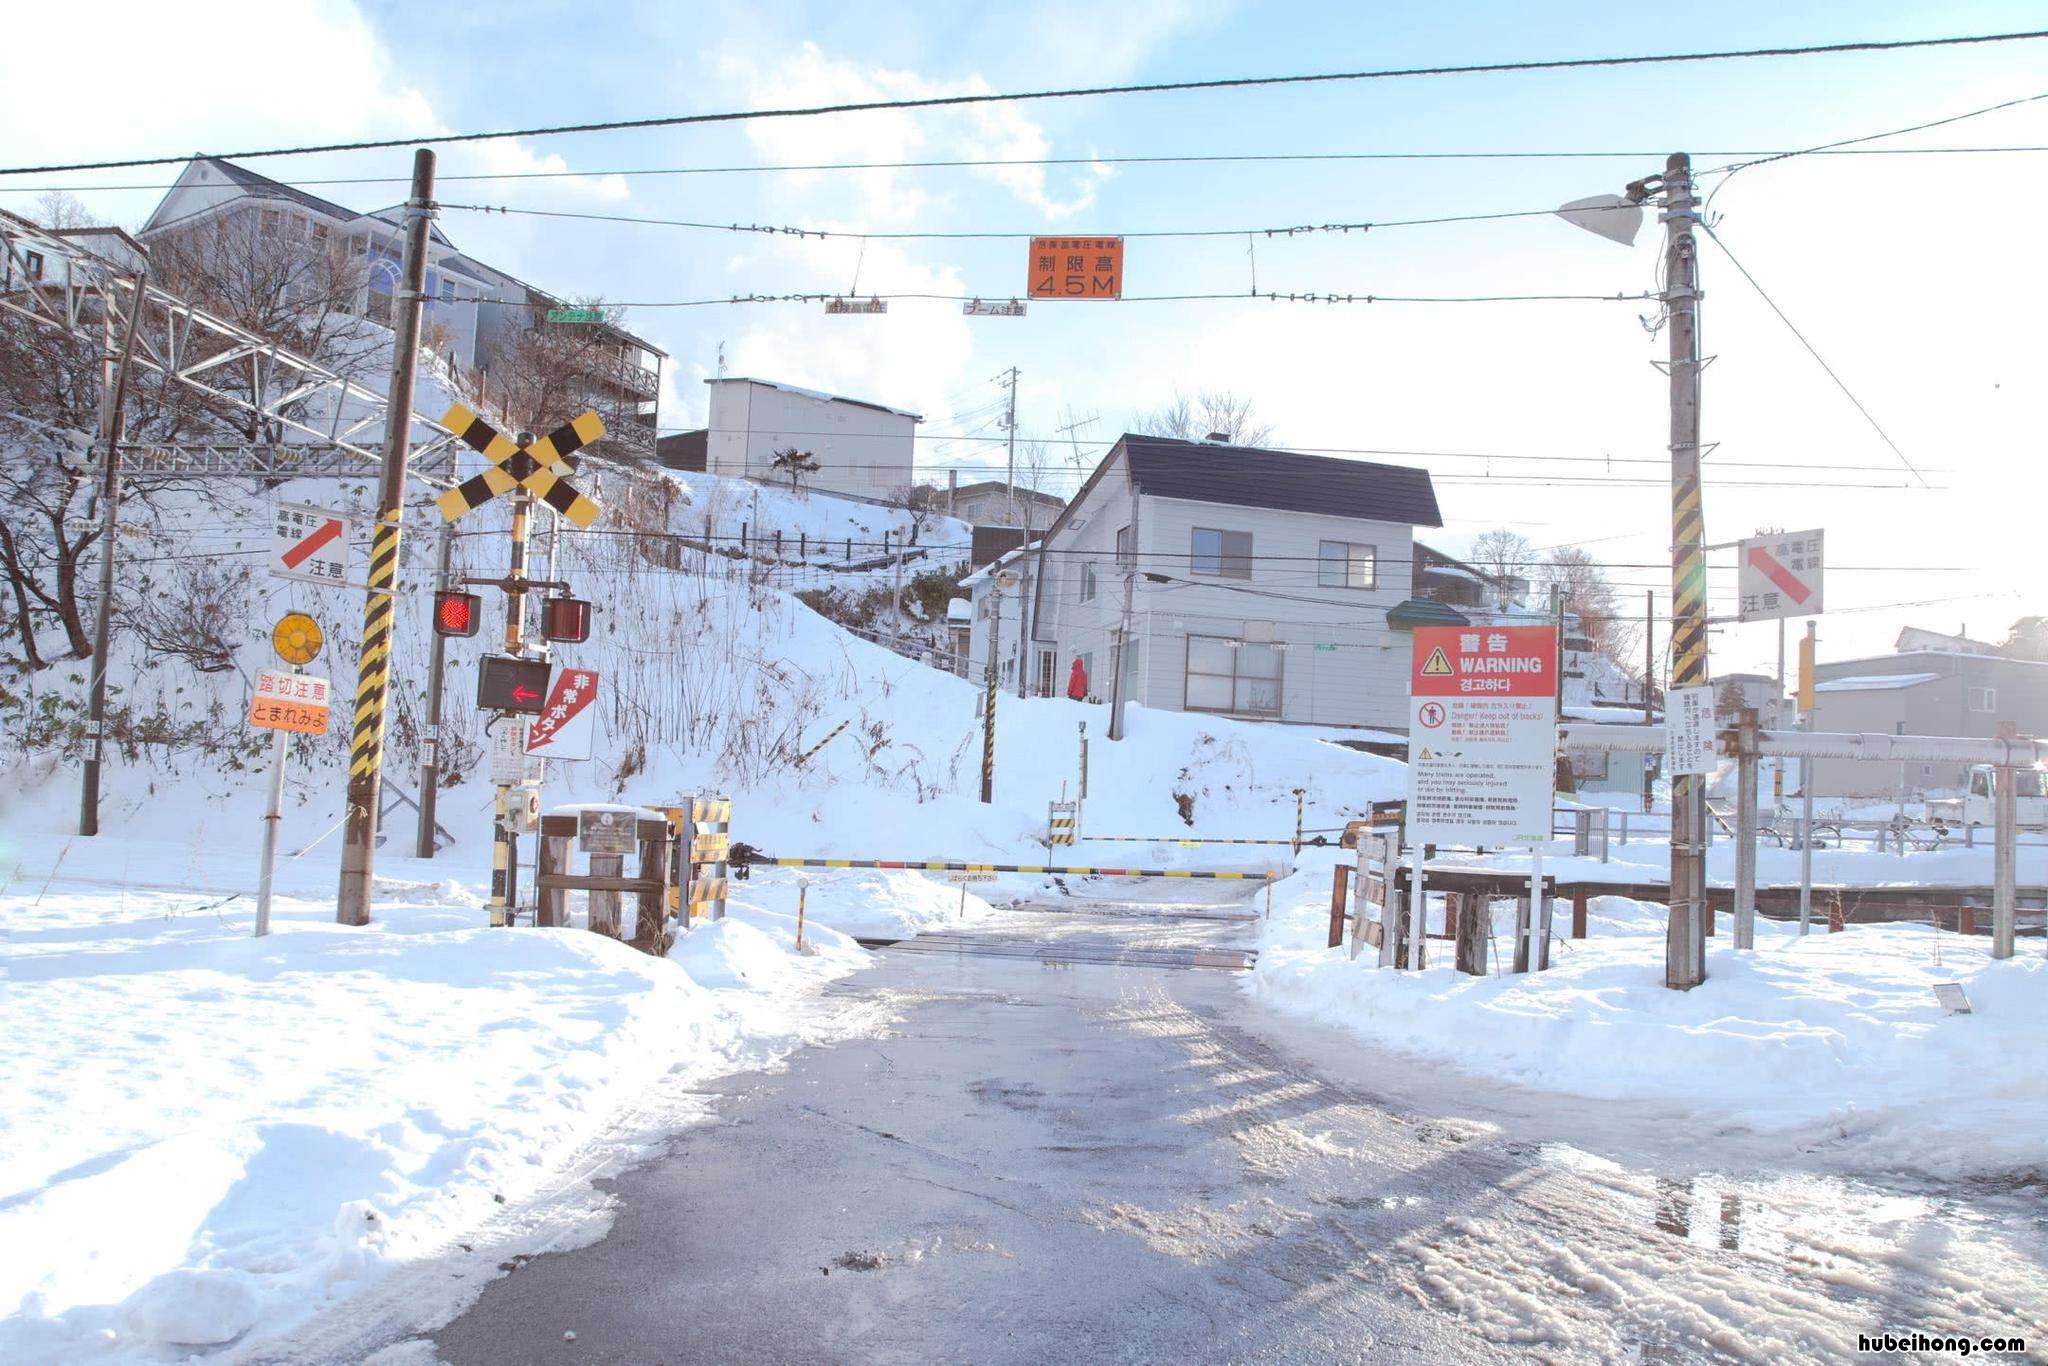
1077,268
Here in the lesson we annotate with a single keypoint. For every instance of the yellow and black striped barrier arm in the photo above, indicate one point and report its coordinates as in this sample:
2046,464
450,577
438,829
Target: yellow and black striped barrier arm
942,866
1185,841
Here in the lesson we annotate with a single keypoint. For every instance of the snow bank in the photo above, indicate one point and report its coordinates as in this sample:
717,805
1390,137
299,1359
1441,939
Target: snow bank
1833,1041
204,1134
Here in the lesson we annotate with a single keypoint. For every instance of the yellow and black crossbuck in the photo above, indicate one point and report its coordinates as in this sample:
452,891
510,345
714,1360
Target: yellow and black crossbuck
540,468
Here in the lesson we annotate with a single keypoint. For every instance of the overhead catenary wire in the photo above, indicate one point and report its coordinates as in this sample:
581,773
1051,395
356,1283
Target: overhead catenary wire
1813,351
1074,92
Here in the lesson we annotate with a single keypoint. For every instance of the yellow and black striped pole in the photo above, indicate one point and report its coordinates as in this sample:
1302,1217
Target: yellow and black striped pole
373,667
988,702
504,841
1685,948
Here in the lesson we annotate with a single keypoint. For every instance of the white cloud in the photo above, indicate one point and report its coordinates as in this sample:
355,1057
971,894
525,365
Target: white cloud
808,76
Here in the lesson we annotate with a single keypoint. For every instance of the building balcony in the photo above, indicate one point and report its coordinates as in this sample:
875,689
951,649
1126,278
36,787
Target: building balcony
623,374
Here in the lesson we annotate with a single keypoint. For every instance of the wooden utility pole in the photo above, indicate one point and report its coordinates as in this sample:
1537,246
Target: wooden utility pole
988,697
1685,945
113,404
373,670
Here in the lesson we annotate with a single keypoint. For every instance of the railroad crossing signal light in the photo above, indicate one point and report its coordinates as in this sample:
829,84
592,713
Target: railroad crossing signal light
565,621
457,613
504,683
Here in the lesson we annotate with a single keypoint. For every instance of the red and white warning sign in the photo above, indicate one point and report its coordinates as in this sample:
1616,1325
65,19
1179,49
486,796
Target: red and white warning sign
567,725
1779,576
308,543
1482,735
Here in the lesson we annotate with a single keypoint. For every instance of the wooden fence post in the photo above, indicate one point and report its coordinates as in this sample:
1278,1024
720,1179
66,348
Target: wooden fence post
555,834
604,906
1521,934
1340,883
650,911
1475,923
1579,898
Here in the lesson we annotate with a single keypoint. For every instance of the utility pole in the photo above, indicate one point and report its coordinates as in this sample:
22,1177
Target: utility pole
1805,707
1010,421
997,587
1123,634
113,405
373,671
896,599
1685,945
1649,651
1745,827
437,663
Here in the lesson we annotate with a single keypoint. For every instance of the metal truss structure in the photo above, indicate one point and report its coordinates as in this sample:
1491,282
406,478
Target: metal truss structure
319,421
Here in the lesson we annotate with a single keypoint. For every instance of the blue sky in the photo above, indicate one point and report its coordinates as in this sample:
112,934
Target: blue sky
1910,274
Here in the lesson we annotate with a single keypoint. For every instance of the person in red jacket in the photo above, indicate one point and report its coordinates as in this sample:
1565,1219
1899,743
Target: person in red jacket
1077,681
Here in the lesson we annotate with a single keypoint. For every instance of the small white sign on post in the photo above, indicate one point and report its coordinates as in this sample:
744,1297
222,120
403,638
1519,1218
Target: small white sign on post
511,765
1779,576
1689,730
308,543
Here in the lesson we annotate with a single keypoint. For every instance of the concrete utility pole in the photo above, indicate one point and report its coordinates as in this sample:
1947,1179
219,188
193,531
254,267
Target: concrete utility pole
1123,634
1010,422
988,698
437,664
113,405
1745,828
1685,945
1649,652
1805,710
373,671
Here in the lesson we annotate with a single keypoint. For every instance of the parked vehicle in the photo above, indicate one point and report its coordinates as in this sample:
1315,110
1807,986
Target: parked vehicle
1974,807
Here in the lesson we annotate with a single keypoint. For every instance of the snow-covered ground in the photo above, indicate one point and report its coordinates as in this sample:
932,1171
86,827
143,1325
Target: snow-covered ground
206,1137
1835,1042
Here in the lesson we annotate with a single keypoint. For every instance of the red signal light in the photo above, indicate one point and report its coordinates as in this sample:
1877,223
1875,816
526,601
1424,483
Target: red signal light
566,621
457,613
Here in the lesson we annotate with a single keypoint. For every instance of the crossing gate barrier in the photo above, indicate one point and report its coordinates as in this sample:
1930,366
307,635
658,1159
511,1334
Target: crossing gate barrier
1054,869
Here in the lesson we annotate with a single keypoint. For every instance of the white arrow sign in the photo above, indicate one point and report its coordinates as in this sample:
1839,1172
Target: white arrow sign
309,543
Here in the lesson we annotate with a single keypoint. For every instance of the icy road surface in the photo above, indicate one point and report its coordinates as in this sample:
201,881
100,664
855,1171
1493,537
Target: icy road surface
1052,1157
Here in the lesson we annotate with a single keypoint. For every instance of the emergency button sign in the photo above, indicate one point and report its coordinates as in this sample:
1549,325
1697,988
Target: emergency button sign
1482,735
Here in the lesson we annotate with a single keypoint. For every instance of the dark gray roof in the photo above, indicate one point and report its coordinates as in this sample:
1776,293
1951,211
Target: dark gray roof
1250,476
998,486
263,185
1414,612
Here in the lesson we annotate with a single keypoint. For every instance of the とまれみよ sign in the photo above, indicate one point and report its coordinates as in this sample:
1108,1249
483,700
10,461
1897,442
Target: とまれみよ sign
289,701
1482,734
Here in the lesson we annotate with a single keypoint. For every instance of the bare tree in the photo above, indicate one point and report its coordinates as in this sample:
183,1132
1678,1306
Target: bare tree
795,463
1217,411
550,372
1591,598
1507,555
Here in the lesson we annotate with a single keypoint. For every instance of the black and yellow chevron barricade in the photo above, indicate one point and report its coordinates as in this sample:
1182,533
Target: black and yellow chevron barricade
1060,820
707,851
1061,870
541,468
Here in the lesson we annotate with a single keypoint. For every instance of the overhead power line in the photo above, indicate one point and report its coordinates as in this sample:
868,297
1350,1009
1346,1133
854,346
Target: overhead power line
1270,295
1074,92
786,230
1793,328
980,163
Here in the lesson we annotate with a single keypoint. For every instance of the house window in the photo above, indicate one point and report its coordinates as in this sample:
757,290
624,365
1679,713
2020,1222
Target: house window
1224,553
447,291
32,264
1046,662
319,230
1087,581
1237,677
1346,564
1123,547
1984,699
270,220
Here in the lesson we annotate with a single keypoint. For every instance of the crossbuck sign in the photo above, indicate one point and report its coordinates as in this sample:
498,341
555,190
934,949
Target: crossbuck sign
1482,735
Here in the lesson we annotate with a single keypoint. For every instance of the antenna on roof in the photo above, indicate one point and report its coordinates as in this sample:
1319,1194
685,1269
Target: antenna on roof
721,360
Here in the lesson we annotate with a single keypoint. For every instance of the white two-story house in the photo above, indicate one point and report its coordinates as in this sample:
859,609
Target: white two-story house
861,449
1263,584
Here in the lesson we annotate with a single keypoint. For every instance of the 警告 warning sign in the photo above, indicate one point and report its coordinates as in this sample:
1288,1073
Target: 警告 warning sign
1482,735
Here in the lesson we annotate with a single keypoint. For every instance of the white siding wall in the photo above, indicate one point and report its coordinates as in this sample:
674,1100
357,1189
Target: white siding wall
1359,677
859,450
1067,623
